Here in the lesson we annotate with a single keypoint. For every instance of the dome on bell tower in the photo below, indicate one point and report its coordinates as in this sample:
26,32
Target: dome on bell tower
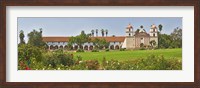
129,26
153,26
129,30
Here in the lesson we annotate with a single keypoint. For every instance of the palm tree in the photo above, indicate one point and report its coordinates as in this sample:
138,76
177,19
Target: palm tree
106,32
96,32
160,27
102,32
92,31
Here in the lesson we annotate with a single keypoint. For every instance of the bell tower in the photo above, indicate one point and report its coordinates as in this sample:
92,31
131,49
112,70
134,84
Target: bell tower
129,30
154,33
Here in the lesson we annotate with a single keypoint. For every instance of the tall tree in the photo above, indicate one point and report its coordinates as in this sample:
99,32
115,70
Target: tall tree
21,36
164,41
102,32
92,31
80,39
106,32
176,37
97,32
160,27
35,38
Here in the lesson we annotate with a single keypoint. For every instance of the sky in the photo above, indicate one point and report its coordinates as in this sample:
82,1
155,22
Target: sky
69,26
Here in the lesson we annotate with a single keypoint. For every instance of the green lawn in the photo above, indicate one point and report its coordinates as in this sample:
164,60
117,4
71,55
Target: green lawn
130,54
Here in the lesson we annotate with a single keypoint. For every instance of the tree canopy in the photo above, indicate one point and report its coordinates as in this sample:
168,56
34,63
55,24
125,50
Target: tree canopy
21,37
35,38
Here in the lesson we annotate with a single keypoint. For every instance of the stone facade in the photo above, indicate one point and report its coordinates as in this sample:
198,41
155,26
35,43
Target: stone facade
136,39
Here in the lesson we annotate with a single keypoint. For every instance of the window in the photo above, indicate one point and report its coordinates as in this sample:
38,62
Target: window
153,35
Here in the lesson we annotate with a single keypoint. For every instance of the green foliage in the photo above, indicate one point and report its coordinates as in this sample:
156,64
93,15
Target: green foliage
80,39
21,37
153,43
102,32
80,50
160,27
152,62
58,58
100,43
35,38
174,40
27,52
92,32
95,50
107,50
176,37
122,49
92,64
142,48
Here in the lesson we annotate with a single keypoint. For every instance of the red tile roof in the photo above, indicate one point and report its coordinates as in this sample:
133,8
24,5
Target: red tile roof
66,39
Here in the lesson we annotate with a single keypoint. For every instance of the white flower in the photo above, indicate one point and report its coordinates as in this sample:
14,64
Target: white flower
59,68
80,62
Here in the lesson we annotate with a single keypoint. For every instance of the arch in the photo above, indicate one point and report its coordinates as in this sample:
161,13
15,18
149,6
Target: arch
85,47
75,47
91,47
112,47
65,47
56,47
51,47
61,47
141,44
117,47
81,47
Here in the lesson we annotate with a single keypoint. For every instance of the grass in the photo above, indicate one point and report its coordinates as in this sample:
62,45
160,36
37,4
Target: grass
130,54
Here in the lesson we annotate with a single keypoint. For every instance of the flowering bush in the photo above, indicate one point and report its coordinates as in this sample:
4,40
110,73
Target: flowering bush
152,62
26,53
33,58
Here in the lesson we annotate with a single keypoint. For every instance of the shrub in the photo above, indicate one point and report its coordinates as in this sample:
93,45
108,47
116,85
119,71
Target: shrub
122,49
80,50
107,50
152,62
95,50
26,52
57,58
142,48
92,64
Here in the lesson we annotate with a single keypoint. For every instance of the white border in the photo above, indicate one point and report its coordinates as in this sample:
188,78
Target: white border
185,75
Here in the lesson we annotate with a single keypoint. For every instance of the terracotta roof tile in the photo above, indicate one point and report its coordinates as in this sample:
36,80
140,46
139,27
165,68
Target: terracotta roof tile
66,39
